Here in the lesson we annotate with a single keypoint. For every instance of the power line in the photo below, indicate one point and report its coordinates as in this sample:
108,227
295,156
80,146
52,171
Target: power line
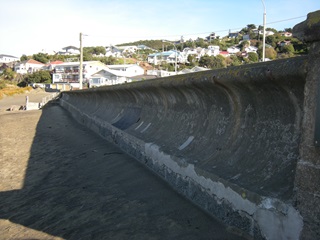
191,34
289,19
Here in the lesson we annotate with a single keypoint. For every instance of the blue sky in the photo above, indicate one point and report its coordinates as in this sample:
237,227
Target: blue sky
31,26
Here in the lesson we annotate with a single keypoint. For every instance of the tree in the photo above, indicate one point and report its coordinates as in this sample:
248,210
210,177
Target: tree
212,62
272,30
244,45
271,40
23,58
38,77
205,61
235,60
41,57
191,60
253,57
108,60
271,53
288,49
8,74
99,50
201,43
251,27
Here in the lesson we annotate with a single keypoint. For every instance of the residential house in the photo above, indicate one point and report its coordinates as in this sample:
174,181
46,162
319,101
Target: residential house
246,37
160,73
200,52
212,50
107,77
113,51
8,58
233,34
189,51
119,51
28,66
50,66
260,32
224,53
128,49
143,47
251,49
68,72
116,74
233,50
130,69
169,57
69,50
192,70
286,34
284,43
211,37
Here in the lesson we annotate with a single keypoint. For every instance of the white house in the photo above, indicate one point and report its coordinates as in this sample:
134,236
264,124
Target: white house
129,69
169,57
128,49
28,66
192,70
115,74
200,52
212,50
286,34
233,50
108,77
251,49
8,58
69,50
113,51
69,72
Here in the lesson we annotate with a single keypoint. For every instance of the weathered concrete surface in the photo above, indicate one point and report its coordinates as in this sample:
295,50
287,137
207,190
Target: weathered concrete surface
227,139
239,142
307,182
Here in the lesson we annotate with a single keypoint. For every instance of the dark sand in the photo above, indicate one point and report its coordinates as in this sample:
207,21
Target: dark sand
58,180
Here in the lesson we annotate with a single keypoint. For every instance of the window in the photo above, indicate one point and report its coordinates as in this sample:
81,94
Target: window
95,80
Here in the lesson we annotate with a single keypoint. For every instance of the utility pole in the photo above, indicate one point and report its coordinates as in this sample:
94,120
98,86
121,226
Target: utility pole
81,63
264,32
176,53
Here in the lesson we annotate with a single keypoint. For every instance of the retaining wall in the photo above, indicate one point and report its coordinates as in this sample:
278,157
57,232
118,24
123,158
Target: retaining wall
231,140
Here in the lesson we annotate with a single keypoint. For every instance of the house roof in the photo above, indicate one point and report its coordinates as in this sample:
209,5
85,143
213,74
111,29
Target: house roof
168,53
5,55
108,72
78,63
31,61
70,47
117,67
224,53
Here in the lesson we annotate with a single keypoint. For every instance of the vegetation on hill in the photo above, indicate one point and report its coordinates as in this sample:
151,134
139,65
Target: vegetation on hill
154,44
7,88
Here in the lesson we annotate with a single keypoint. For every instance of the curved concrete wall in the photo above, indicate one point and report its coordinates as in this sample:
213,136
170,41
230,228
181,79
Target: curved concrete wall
227,139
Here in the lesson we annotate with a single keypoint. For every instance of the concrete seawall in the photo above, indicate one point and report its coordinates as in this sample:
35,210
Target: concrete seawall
230,140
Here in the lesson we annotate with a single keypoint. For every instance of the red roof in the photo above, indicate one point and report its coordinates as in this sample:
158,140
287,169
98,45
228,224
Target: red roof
34,62
224,53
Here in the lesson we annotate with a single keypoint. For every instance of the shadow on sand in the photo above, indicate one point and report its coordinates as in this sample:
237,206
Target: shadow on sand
78,186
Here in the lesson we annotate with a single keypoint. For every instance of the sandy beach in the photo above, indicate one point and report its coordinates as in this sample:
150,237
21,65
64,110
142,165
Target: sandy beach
35,95
59,180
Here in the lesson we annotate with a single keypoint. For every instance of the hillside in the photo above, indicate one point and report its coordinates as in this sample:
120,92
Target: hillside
154,44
